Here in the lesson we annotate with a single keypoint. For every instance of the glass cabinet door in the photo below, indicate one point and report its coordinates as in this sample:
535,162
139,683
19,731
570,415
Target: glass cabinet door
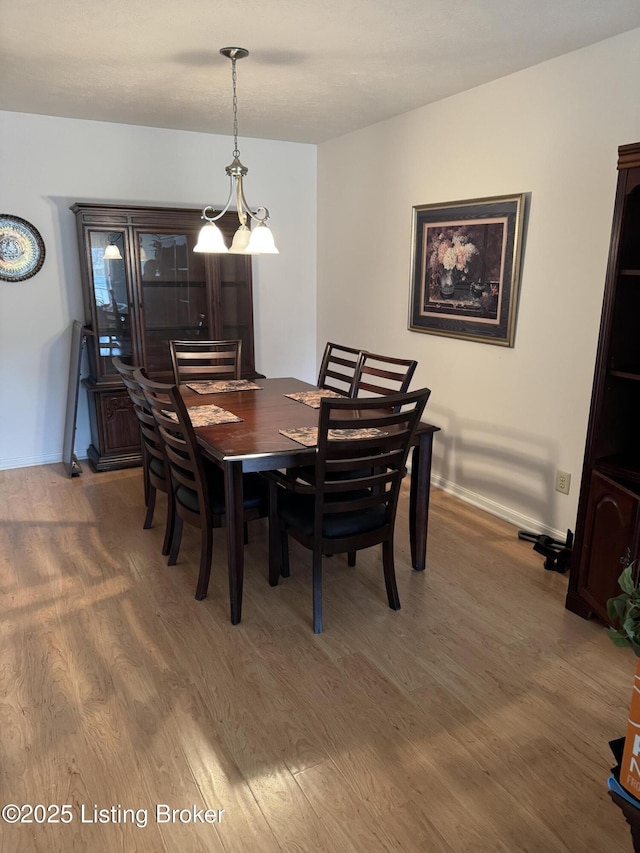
113,326
174,297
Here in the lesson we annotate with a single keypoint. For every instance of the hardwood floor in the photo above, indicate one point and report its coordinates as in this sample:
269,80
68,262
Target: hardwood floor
477,718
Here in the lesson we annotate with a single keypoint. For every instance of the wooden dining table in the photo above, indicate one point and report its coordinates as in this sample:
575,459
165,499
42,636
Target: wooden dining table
256,444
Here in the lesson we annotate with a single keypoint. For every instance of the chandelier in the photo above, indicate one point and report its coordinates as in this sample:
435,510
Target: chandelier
245,241
112,252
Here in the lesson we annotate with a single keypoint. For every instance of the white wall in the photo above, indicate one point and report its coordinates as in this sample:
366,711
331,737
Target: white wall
47,164
509,417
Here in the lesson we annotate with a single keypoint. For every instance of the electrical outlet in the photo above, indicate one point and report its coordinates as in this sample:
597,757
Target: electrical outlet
563,481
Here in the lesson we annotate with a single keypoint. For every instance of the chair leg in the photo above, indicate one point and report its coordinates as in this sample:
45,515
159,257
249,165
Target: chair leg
317,591
206,554
351,558
175,541
151,505
169,524
390,574
145,475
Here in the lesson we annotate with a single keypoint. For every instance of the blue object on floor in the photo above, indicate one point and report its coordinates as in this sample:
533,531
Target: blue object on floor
614,785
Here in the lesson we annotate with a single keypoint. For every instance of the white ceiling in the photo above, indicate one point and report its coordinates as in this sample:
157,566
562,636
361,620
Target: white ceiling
317,69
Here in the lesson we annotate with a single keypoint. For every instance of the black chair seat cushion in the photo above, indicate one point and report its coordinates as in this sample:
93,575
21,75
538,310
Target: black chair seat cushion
298,511
156,466
255,491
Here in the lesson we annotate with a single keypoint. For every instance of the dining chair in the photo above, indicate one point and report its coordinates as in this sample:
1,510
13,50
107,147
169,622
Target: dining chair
375,375
381,375
202,360
153,464
351,504
338,369
198,483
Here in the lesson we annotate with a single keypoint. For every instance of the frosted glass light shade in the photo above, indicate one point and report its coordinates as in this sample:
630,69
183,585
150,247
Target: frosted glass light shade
112,253
261,242
240,241
210,240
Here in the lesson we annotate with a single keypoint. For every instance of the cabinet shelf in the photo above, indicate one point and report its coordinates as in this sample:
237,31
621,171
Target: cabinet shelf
631,375
621,466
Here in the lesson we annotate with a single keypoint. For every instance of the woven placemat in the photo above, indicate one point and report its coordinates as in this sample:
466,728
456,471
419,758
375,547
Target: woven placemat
208,415
309,435
313,398
210,386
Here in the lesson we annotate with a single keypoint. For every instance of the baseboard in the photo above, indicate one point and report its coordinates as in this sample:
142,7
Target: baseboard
30,461
523,522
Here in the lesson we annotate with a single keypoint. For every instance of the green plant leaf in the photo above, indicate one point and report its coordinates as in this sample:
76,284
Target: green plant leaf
616,608
624,612
617,638
626,582
630,626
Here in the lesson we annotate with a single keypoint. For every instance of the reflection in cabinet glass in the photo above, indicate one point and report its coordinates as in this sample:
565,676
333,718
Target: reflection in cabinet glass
174,295
143,286
111,327
608,523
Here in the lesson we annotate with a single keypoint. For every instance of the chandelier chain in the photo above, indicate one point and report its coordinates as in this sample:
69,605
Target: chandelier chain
234,78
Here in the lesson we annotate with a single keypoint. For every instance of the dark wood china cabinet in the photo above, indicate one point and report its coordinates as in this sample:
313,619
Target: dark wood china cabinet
608,523
143,286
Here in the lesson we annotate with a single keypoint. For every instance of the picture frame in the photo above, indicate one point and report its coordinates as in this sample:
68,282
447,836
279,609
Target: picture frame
22,248
465,268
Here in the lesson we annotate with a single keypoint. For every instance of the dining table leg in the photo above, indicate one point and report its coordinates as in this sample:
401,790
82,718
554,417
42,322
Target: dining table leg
235,536
419,500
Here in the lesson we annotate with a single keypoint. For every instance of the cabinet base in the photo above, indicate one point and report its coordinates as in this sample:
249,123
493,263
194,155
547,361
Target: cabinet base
578,606
113,462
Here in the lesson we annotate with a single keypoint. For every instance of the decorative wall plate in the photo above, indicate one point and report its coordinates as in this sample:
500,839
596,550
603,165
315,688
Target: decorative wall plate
21,248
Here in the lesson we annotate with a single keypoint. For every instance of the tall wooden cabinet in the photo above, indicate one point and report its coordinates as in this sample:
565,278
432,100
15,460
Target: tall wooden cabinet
608,523
143,286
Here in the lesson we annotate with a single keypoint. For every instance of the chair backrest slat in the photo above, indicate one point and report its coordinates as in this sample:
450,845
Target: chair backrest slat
381,375
338,369
205,360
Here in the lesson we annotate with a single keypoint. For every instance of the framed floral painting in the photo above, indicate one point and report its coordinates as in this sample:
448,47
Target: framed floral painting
466,268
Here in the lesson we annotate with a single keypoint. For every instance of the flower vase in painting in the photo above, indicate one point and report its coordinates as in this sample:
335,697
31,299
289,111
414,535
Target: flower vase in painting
451,257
